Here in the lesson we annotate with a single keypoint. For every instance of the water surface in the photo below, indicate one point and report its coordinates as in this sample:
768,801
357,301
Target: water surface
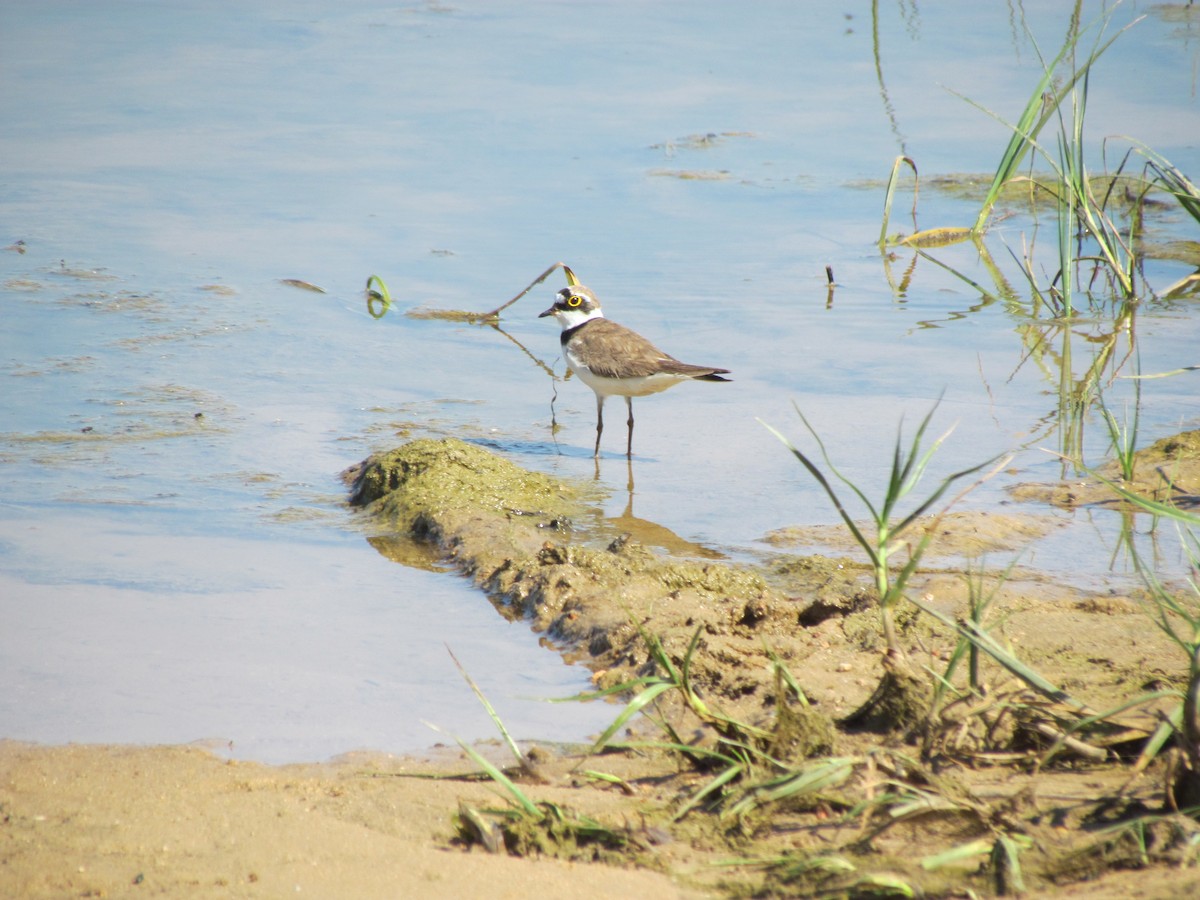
176,561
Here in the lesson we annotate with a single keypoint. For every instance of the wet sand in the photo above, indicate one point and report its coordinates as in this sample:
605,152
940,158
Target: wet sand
111,821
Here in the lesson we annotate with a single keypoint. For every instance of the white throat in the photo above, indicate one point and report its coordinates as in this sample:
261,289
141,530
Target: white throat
569,318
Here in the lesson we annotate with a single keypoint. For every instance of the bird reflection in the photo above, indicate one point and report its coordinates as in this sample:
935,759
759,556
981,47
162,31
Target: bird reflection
651,533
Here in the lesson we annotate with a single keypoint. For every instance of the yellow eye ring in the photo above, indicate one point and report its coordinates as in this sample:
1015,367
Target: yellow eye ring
574,300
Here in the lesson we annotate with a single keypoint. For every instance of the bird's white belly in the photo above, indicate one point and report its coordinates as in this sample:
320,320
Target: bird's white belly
624,387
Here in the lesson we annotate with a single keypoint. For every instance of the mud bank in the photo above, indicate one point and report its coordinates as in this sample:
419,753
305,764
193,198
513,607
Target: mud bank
981,799
526,541
523,538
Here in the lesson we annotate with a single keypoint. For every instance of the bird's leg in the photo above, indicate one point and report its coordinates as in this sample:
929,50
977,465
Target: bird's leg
599,423
629,445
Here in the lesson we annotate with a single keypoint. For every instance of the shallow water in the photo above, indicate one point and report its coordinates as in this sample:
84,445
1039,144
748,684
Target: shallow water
176,562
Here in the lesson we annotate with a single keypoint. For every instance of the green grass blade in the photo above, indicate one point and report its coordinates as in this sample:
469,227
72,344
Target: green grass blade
866,502
1157,507
632,708
496,774
1170,179
881,884
1043,103
998,462
381,296
658,654
985,642
890,192
724,778
624,687
691,751
1007,857
810,779
830,492
786,674
492,714
1168,728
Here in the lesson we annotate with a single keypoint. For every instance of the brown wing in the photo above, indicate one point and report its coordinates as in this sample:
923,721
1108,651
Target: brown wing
700,373
615,351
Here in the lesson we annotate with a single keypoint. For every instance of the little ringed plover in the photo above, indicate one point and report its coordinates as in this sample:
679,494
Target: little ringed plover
611,359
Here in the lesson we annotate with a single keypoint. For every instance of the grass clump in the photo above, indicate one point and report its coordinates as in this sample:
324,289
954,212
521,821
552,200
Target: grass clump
902,698
1176,612
1098,245
526,827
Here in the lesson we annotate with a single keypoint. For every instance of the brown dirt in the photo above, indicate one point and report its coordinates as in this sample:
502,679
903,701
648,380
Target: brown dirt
172,821
1167,470
95,821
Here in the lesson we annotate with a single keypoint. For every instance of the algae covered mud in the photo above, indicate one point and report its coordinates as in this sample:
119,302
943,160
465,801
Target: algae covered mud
538,547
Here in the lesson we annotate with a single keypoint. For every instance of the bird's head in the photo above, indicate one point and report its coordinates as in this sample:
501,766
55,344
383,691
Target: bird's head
573,306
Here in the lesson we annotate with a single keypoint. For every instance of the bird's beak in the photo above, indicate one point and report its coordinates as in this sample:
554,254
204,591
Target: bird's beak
571,279
548,312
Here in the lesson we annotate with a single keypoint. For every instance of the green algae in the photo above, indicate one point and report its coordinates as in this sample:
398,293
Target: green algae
515,533
417,485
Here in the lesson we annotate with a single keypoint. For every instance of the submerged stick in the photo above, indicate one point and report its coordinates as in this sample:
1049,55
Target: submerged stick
571,280
460,315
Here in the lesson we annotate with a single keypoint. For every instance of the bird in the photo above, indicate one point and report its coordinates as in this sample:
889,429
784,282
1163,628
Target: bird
612,359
